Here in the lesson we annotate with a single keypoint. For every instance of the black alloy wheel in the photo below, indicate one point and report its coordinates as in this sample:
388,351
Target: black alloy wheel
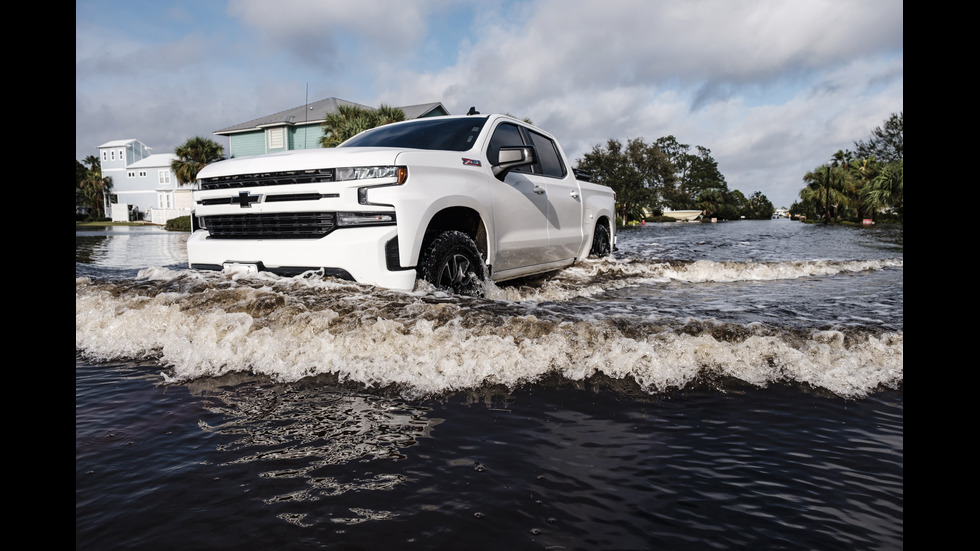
600,241
453,263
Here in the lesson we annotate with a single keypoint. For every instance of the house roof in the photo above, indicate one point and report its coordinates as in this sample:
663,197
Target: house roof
154,161
314,113
423,109
118,143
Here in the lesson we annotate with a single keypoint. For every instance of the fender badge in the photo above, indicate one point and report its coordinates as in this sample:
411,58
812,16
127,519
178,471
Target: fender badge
471,162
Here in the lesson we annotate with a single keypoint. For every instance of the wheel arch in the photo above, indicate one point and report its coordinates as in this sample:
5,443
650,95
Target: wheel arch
464,219
602,220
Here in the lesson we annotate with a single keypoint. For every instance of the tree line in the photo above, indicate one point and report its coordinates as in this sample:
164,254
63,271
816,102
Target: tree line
865,183
666,174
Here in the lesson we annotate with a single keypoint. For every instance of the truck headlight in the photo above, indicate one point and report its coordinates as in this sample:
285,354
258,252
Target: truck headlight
399,173
365,218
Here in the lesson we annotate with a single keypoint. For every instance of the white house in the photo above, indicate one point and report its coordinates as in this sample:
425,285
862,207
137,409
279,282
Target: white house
143,184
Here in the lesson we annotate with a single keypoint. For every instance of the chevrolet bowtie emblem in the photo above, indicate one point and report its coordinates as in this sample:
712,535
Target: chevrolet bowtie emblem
245,200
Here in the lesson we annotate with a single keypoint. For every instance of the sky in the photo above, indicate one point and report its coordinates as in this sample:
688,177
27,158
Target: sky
773,88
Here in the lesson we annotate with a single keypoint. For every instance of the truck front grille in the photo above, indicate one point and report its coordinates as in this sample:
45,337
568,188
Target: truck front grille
285,225
269,179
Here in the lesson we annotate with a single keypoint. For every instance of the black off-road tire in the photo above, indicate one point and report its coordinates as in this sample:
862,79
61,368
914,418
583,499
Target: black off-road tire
601,247
453,263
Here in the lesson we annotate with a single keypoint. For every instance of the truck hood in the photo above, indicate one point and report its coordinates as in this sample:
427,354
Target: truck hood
303,159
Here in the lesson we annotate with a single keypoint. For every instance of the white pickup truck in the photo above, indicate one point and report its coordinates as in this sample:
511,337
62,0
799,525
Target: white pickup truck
452,200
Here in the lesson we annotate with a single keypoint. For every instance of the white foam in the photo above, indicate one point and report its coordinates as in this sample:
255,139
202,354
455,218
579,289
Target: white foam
291,328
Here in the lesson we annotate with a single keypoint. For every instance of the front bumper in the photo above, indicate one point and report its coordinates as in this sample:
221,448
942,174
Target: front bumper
363,253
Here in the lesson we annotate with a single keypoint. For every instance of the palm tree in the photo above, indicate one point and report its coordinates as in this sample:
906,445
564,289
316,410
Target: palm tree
886,189
711,201
863,171
342,124
93,163
350,120
91,188
193,155
385,114
94,187
821,191
845,188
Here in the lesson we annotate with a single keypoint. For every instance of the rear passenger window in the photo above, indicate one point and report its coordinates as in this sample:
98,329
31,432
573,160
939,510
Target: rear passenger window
548,159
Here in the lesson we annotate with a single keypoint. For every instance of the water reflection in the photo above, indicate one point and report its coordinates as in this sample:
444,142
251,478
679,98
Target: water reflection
130,246
301,438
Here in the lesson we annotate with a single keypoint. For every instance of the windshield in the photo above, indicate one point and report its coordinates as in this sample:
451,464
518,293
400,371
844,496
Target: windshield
449,134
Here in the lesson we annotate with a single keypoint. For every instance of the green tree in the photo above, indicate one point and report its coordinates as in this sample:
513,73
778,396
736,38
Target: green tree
385,114
193,155
821,184
885,190
350,120
887,142
93,163
676,196
735,205
638,172
862,172
90,187
712,202
703,174
94,189
844,182
80,174
759,207
868,180
694,173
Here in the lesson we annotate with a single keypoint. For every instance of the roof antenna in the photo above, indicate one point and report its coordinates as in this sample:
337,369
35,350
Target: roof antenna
472,111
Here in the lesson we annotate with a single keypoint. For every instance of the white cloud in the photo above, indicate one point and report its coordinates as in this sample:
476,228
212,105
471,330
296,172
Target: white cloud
339,33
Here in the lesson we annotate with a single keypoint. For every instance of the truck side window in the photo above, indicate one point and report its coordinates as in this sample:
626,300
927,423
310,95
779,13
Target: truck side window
549,162
504,135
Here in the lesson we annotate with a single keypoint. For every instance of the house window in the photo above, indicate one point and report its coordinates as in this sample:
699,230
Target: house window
164,177
165,201
105,156
142,174
131,174
275,138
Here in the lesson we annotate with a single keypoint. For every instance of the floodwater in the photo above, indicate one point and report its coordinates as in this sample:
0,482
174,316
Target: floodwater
712,386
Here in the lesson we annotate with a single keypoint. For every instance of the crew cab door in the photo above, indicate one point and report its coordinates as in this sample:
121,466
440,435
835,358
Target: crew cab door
565,207
520,208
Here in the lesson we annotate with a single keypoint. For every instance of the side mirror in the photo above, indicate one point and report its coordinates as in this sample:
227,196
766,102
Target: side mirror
511,158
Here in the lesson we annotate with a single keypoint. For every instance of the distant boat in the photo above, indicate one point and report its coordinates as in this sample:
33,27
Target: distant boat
683,215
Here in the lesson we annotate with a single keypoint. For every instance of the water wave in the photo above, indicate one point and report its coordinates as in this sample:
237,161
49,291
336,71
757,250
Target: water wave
592,276
425,342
